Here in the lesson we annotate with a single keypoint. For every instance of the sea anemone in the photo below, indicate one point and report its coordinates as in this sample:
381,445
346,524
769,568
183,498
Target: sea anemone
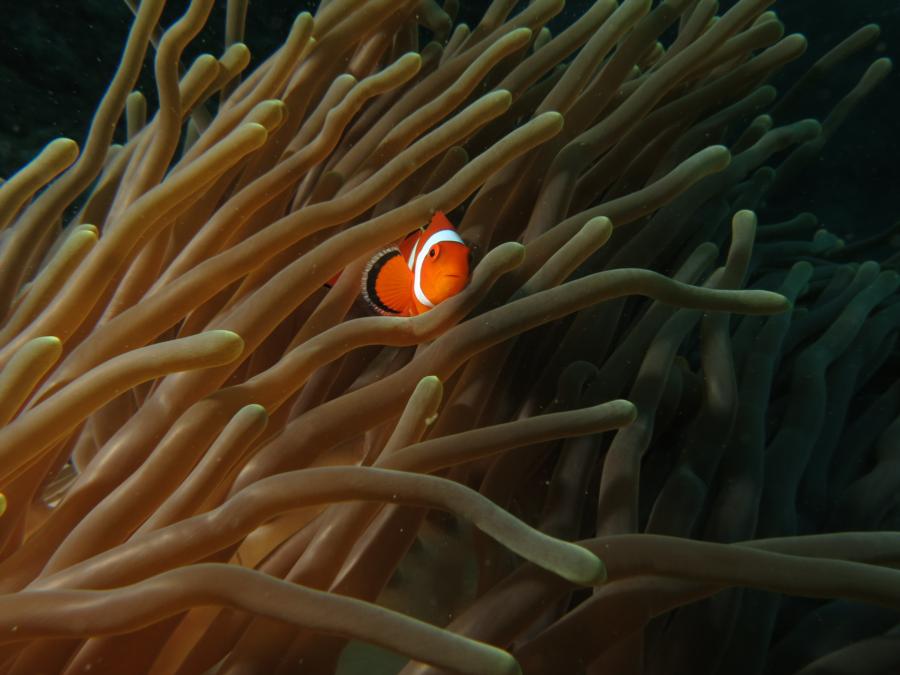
212,460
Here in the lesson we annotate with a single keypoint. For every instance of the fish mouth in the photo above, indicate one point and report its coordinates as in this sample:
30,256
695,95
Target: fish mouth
454,276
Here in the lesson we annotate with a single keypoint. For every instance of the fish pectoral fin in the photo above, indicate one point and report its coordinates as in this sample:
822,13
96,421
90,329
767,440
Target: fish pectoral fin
387,283
332,281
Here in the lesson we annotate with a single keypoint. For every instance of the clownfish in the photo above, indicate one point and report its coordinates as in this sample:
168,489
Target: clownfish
418,272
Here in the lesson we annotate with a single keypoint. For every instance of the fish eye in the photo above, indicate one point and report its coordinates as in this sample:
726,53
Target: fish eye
433,251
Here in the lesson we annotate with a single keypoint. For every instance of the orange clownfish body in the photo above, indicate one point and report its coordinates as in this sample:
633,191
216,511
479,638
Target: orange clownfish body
420,271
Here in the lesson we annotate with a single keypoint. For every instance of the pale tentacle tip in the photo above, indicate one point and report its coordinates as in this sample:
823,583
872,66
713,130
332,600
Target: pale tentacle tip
776,303
410,59
206,60
254,409
522,34
88,228
230,342
513,250
590,570
600,226
596,574
274,103
553,116
65,146
628,408
602,574
48,340
431,388
503,95
506,662
720,156
799,39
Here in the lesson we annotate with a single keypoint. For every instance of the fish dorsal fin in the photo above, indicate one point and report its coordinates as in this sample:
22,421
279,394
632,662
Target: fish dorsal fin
387,283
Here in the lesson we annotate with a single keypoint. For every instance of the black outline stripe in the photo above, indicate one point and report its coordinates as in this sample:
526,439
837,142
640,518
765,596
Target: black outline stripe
373,269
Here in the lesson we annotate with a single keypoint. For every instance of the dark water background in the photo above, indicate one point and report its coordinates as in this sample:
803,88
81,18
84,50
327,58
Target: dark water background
56,59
